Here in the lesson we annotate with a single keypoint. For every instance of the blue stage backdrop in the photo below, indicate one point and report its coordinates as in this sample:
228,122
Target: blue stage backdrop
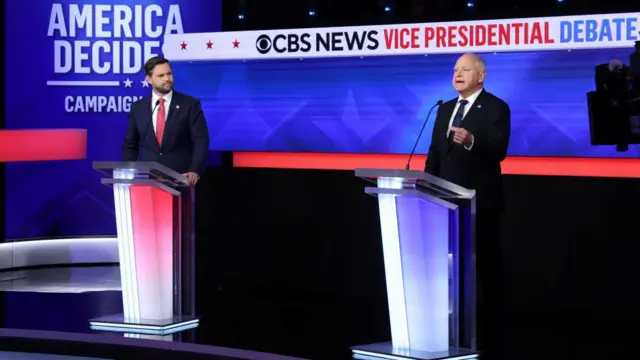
78,64
377,104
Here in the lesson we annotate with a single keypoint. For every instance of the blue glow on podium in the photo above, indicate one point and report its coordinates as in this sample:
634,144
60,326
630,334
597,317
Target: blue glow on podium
428,241
415,241
393,262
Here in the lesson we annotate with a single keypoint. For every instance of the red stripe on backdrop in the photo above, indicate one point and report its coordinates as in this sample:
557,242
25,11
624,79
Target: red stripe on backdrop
40,145
558,166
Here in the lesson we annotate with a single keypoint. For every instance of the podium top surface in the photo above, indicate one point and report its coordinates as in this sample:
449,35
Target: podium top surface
142,169
437,186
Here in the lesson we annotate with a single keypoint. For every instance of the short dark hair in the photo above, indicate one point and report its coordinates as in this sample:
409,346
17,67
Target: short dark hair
152,63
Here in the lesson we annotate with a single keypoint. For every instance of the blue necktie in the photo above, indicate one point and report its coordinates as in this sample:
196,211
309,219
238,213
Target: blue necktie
457,120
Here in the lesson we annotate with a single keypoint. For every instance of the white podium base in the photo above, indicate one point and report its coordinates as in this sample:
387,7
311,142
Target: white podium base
117,323
386,351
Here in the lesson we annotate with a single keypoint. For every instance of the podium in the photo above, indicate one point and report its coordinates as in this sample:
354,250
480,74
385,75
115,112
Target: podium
154,213
428,241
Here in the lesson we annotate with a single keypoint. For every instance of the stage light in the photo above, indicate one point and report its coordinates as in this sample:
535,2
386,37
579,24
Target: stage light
469,4
312,12
560,1
240,16
387,8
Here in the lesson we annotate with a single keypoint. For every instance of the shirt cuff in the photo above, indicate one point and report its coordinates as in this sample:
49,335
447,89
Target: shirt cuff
468,148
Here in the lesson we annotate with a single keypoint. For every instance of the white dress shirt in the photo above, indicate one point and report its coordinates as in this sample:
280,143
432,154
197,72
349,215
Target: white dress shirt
471,99
154,108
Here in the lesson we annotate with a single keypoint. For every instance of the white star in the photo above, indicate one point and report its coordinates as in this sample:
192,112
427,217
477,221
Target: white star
127,83
144,83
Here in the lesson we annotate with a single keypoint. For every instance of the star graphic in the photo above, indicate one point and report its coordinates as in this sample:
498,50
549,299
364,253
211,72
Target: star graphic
127,83
183,46
236,44
144,83
209,44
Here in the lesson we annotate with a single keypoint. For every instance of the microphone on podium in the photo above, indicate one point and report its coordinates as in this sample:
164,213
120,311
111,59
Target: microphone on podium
420,133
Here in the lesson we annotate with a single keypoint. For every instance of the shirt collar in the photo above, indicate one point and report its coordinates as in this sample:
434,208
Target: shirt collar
472,98
155,97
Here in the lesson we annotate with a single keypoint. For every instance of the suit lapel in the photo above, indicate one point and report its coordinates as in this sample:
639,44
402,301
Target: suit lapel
172,119
445,121
472,114
468,119
148,120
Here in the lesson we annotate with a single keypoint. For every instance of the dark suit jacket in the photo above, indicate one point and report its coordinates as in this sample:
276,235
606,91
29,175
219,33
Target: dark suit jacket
634,66
185,143
489,120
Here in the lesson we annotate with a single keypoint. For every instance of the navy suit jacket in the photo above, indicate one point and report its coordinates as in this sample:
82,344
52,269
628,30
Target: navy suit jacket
489,120
185,143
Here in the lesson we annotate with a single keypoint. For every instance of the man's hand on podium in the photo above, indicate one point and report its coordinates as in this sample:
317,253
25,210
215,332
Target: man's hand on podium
192,177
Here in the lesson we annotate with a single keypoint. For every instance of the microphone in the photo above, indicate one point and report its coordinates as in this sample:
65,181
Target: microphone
420,133
152,111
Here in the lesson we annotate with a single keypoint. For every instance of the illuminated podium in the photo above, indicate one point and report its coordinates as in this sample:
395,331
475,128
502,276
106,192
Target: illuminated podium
428,241
154,213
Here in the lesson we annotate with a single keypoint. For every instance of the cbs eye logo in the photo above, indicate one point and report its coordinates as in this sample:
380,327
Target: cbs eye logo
263,44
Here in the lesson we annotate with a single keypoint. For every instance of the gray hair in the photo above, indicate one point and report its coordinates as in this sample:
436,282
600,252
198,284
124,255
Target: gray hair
480,63
615,65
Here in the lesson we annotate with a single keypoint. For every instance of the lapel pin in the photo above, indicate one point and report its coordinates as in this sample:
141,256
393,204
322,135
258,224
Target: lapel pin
177,106
479,106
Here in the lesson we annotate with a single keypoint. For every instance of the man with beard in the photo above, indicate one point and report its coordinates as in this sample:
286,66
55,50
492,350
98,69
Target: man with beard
167,127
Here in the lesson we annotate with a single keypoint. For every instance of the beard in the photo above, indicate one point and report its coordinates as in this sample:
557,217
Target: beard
162,89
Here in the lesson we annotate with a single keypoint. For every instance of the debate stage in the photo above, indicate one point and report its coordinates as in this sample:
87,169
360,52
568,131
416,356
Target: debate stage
286,258
308,280
64,299
60,303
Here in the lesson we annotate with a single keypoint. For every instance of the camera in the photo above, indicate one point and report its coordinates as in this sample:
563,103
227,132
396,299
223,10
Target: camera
614,107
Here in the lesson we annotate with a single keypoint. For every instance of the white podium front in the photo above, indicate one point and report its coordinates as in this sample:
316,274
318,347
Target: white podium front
428,241
154,215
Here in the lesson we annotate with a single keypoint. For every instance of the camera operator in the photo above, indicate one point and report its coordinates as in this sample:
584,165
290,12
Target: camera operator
634,71
612,83
614,108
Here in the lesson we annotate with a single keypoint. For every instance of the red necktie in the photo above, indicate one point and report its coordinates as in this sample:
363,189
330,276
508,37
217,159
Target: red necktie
160,122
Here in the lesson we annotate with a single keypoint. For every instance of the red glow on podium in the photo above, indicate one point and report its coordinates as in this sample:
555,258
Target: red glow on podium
152,224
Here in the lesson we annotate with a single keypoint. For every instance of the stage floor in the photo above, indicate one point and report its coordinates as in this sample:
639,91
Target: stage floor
5,355
64,299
